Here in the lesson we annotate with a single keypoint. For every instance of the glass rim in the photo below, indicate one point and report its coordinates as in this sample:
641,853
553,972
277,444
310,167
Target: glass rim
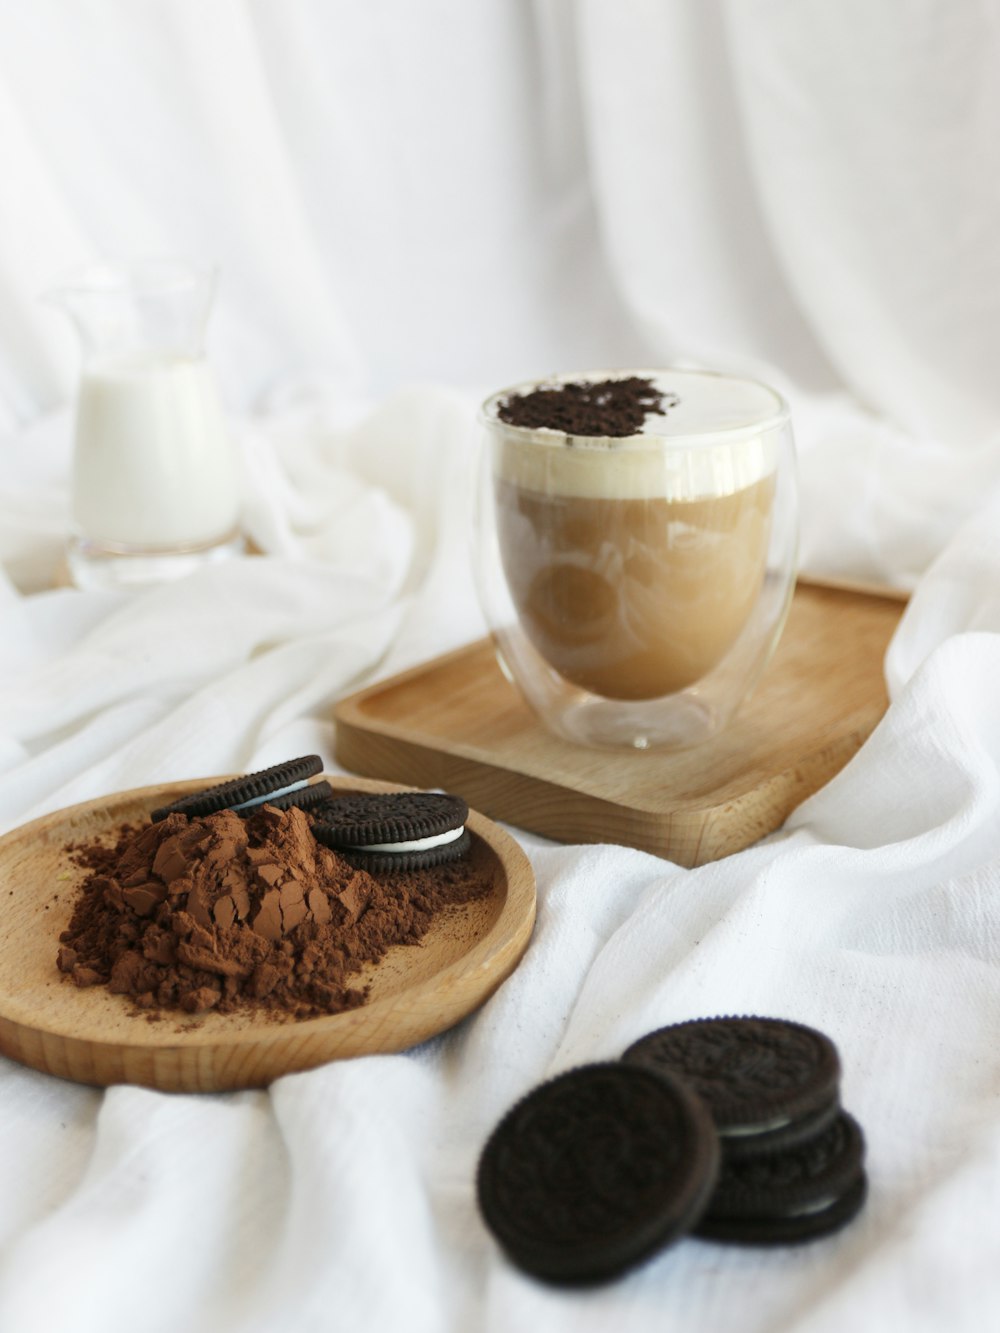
550,436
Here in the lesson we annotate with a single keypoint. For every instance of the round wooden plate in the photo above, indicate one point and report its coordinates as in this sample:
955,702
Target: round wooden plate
93,1036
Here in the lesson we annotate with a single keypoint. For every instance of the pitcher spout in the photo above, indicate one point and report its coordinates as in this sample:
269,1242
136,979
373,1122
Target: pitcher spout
155,307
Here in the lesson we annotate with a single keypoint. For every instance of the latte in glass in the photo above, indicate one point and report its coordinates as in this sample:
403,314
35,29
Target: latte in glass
634,564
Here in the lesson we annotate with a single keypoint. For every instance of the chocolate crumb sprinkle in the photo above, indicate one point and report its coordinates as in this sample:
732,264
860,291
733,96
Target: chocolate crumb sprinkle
610,407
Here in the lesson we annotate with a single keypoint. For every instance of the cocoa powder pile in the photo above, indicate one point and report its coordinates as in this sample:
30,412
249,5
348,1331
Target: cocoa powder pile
226,913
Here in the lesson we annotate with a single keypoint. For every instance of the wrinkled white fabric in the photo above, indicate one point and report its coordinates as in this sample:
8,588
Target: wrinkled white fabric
344,1197
463,195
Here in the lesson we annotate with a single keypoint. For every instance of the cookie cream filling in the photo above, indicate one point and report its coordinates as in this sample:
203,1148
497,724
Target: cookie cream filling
763,1127
270,795
808,1209
413,844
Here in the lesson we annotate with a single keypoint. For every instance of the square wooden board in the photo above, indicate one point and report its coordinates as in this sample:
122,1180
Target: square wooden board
457,723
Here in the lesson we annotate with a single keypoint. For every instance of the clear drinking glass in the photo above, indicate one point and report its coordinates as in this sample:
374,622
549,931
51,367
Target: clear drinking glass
156,483
636,587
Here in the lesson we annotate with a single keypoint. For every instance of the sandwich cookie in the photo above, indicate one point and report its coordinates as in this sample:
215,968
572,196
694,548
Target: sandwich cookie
394,830
283,785
796,1195
768,1082
597,1170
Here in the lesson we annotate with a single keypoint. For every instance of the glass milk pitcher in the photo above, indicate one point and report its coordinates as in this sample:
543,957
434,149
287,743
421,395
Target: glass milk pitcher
156,484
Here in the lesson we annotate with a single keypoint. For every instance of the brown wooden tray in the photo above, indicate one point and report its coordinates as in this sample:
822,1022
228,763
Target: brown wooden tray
457,723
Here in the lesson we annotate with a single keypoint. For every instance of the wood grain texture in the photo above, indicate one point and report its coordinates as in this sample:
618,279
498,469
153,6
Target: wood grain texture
92,1036
458,723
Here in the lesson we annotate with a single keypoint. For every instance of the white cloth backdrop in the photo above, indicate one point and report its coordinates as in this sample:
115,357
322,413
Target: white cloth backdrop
413,203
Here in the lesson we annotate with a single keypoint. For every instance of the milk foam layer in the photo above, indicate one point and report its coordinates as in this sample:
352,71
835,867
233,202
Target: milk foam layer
721,437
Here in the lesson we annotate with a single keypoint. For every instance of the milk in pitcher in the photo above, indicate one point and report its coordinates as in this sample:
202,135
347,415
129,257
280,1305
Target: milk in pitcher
156,485
154,467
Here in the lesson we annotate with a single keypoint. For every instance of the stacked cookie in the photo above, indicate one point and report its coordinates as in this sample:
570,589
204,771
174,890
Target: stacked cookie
728,1128
792,1160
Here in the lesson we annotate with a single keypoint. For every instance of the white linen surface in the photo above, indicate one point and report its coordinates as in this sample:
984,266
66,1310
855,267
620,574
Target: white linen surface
343,1198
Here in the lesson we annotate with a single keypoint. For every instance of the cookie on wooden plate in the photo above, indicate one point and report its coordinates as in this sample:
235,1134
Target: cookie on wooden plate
283,785
394,830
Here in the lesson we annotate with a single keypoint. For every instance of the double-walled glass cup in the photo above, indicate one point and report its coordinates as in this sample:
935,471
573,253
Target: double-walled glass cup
636,586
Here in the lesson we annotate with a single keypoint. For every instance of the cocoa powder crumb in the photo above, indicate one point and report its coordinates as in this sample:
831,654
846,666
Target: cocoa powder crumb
226,914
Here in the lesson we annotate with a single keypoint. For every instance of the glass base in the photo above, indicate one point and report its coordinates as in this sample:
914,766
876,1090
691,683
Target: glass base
671,724
674,721
120,569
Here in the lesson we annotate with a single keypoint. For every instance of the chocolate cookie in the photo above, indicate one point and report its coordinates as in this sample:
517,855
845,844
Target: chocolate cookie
394,830
596,1170
309,797
808,1225
797,1182
799,1195
768,1082
282,784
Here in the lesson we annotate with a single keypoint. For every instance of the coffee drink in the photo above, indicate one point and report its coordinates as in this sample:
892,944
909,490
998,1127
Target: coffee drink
633,599
634,564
